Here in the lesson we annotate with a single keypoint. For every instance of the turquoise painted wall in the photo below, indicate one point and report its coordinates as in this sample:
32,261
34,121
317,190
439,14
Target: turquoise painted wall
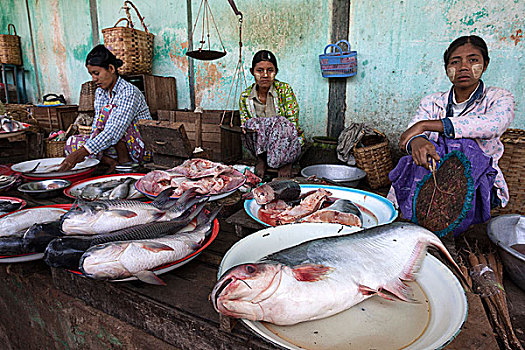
399,43
400,50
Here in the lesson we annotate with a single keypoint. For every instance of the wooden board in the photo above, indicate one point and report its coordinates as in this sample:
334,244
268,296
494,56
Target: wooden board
204,131
165,138
160,92
54,118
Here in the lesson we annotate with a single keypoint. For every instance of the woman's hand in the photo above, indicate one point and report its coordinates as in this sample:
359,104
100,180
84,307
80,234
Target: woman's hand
421,150
72,159
416,129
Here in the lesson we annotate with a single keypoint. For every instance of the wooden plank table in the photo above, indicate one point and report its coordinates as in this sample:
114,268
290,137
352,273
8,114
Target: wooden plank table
180,313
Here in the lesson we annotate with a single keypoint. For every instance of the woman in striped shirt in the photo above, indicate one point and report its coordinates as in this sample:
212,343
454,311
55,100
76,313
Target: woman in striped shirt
119,105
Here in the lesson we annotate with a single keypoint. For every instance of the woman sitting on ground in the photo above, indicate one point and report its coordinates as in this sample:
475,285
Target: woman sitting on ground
269,108
470,118
119,105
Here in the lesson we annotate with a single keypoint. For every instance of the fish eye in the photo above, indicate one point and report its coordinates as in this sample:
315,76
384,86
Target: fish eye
250,269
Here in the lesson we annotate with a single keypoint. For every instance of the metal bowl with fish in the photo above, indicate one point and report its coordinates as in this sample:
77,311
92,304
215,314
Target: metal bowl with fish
44,188
336,174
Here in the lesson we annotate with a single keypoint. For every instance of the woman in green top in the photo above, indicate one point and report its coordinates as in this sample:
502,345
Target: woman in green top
269,108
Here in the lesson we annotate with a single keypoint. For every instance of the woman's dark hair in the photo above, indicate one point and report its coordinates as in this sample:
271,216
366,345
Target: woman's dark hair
264,55
472,39
100,56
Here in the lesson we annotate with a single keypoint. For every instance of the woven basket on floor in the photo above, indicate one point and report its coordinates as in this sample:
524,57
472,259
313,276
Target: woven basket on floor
512,164
55,149
10,52
375,159
86,102
134,47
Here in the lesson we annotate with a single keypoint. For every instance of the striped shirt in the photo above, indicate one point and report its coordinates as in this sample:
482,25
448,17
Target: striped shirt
130,106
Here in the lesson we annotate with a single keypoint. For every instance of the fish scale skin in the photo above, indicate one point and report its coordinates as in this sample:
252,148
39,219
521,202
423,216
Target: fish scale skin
125,259
375,258
14,223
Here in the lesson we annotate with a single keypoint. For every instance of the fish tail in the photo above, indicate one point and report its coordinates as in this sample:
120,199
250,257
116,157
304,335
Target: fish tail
437,243
163,199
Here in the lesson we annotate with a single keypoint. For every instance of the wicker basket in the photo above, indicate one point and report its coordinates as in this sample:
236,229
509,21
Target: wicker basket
55,149
134,47
512,165
10,52
86,102
375,159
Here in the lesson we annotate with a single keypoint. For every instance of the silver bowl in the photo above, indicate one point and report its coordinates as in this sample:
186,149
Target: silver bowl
501,232
344,175
45,188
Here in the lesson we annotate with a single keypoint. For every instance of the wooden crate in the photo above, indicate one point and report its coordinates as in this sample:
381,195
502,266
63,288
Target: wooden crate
160,92
203,130
55,117
167,141
21,147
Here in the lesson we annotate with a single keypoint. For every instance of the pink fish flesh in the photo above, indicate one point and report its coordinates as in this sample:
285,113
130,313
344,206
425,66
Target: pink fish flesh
325,276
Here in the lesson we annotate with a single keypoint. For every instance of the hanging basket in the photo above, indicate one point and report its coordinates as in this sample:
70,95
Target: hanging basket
86,102
134,47
512,164
10,52
338,63
372,155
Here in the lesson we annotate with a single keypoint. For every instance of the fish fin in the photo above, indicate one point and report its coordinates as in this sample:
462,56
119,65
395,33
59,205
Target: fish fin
414,263
125,213
398,290
157,215
149,277
311,272
366,290
155,247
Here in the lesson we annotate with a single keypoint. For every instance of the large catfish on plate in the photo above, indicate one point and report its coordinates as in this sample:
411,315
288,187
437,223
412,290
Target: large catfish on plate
325,276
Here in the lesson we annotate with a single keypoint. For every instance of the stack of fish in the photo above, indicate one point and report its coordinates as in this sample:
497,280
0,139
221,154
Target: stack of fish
282,203
122,188
206,177
146,235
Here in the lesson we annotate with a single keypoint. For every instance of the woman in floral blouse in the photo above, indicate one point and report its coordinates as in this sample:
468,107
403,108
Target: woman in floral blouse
468,112
269,108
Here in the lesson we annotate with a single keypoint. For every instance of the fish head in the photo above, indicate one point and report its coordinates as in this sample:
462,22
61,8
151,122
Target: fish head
241,289
102,262
263,194
81,216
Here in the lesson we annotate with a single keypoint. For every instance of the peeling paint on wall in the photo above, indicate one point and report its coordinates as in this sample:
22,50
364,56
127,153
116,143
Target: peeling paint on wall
399,43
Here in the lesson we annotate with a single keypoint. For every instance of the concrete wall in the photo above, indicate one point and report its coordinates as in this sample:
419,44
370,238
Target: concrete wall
399,43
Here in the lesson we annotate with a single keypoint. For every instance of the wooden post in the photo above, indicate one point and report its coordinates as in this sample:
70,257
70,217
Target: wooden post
337,86
198,129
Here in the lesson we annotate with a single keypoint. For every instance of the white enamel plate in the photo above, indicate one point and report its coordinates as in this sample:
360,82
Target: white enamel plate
378,210
373,324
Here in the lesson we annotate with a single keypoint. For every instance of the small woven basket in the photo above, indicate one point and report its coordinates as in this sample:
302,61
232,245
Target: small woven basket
86,102
375,159
512,164
10,52
55,149
134,47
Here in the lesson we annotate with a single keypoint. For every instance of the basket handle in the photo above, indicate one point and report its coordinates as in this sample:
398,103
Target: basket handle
126,8
345,42
333,46
9,26
120,20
